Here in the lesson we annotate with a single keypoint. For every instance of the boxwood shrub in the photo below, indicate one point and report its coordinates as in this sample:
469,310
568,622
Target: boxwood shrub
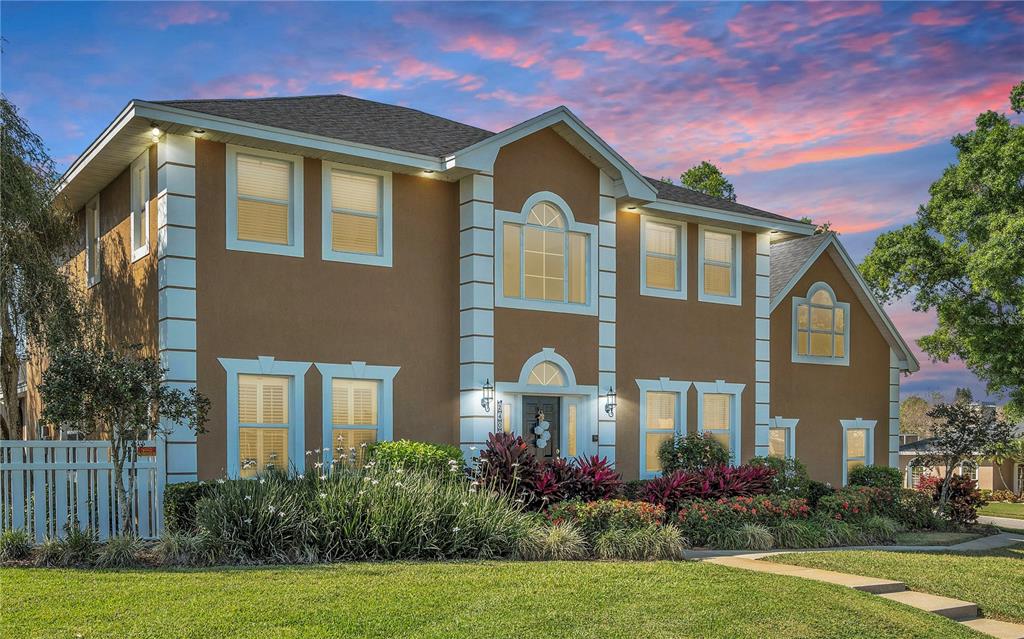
417,455
180,504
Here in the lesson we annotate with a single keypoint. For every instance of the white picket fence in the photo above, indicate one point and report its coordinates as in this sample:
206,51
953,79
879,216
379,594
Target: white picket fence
46,484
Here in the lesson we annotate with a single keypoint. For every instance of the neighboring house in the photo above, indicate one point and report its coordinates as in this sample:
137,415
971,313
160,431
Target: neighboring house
988,474
332,271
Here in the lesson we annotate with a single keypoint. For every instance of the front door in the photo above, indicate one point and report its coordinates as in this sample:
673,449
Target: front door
541,425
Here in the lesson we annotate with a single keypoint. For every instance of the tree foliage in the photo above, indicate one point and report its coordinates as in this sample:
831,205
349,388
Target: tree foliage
964,255
914,417
962,432
824,227
708,179
119,394
36,233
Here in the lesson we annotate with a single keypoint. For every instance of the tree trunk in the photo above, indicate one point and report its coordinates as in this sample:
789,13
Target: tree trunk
117,458
9,366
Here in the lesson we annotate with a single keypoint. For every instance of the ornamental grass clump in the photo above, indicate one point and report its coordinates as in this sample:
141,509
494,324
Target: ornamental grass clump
120,551
644,543
560,541
15,545
798,534
179,548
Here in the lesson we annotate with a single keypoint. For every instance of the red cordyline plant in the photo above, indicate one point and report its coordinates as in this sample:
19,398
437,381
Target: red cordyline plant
710,483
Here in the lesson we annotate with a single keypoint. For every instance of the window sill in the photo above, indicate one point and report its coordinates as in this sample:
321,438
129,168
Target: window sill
719,299
826,361
288,250
662,292
357,258
139,253
540,305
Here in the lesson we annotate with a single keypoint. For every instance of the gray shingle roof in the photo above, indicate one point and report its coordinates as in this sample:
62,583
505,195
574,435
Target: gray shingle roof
346,118
396,127
788,257
683,195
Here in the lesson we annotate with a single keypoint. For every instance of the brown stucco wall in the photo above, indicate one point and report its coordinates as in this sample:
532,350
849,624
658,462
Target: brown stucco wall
683,340
820,395
544,161
311,310
126,295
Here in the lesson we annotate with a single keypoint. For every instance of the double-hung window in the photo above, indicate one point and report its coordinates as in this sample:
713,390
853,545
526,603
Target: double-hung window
662,419
357,215
718,414
357,409
782,437
140,206
821,327
858,444
663,258
546,258
92,241
720,266
263,407
264,202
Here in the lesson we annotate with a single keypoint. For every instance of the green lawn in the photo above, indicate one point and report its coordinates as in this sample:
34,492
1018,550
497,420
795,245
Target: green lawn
992,579
1002,509
934,538
493,599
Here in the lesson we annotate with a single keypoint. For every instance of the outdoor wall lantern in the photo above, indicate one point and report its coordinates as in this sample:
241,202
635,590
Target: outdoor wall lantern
488,395
609,402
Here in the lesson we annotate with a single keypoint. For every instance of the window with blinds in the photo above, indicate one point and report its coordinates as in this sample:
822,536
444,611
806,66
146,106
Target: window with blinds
856,448
262,399
92,241
356,211
264,199
350,444
717,418
660,426
354,402
661,255
719,263
262,449
778,442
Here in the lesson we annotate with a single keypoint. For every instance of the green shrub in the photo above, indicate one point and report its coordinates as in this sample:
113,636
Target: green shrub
120,551
15,545
633,490
876,477
702,521
180,504
798,534
913,509
790,475
644,543
816,490
693,452
880,530
595,517
847,504
417,455
553,542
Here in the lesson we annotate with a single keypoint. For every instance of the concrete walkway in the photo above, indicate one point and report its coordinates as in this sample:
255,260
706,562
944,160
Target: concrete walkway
965,612
1002,522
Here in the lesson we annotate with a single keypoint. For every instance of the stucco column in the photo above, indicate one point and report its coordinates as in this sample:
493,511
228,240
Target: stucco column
176,277
606,316
476,309
762,344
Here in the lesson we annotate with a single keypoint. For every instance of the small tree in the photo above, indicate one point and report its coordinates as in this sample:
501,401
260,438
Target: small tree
708,179
962,431
120,395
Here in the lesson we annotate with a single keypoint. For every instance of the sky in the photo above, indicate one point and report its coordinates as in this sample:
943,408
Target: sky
838,111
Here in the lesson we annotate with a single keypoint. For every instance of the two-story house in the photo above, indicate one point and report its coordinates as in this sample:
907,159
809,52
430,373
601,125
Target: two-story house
331,271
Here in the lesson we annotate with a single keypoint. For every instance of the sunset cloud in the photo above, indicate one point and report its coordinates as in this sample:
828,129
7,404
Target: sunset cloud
172,14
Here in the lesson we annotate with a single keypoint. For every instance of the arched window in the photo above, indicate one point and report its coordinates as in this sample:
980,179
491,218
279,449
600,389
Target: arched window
546,374
821,327
542,259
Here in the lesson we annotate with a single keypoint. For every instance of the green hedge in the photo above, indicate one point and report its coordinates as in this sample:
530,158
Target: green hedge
876,477
418,455
180,504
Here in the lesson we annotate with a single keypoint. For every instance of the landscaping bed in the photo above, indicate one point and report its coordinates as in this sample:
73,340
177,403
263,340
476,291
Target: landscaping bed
993,579
450,600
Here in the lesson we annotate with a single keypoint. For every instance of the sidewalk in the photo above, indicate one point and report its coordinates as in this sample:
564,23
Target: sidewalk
1003,522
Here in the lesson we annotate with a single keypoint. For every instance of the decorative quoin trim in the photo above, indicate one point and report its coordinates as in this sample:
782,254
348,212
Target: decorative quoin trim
762,344
606,301
894,409
476,308
176,282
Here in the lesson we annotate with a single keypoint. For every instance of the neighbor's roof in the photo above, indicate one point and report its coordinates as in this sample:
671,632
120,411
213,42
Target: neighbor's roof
347,118
789,257
400,128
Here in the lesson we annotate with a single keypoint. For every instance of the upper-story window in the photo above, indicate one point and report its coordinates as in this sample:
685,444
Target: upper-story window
546,258
264,202
720,266
140,206
357,215
92,241
663,258
821,327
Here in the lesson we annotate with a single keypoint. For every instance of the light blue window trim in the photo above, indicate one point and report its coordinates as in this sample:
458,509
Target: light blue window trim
571,225
264,365
294,248
679,293
385,401
736,298
859,424
788,425
836,304
384,220
660,385
735,421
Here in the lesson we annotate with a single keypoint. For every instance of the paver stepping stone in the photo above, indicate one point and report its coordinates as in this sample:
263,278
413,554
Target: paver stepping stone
867,584
996,628
945,606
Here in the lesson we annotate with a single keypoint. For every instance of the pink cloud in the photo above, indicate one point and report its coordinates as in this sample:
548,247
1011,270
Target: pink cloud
409,68
866,43
935,18
248,85
364,79
173,14
567,69
490,46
